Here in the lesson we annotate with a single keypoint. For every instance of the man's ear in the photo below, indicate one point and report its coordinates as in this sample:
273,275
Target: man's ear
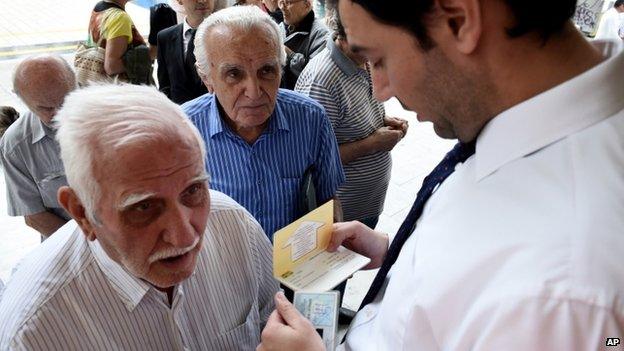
205,79
462,23
71,203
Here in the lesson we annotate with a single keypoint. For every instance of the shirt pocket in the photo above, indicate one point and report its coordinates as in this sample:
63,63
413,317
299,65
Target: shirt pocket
48,187
245,336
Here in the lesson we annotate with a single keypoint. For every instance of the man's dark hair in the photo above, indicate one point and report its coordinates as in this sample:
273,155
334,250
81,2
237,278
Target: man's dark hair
532,16
8,115
618,3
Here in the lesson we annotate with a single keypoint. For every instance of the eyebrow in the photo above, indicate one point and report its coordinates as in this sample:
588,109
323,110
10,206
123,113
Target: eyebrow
356,49
135,198
200,178
224,67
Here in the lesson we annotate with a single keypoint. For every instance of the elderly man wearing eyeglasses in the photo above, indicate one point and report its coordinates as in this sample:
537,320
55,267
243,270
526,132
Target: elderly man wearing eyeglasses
305,37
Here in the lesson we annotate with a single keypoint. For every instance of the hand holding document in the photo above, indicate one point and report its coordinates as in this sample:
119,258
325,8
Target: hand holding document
300,259
321,309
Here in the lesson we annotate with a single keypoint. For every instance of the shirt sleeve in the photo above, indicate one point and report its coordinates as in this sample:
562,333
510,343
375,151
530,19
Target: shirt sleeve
263,260
22,193
541,324
117,24
328,174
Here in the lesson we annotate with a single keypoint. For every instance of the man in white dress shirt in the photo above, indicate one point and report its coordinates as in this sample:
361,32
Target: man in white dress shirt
611,22
520,248
153,260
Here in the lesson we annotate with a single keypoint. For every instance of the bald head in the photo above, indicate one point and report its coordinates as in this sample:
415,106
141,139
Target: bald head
42,82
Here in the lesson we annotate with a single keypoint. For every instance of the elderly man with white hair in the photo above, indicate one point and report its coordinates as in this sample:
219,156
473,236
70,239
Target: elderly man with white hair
262,139
154,259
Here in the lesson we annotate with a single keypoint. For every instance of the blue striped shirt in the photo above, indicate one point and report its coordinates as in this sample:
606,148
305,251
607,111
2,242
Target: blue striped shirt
266,177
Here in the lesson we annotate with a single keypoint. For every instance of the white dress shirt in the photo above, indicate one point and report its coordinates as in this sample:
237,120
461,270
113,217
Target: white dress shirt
521,247
610,24
69,295
186,35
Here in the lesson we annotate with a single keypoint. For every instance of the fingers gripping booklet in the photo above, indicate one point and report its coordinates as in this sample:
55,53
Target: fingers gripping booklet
321,309
299,258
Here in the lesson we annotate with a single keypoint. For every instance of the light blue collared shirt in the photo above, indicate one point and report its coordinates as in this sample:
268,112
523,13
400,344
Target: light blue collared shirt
266,177
32,166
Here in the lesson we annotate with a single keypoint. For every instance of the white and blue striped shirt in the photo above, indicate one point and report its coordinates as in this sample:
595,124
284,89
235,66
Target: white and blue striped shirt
266,177
69,295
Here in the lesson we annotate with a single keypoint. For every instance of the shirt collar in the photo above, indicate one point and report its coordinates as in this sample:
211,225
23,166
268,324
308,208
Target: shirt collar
346,65
554,114
185,27
216,125
130,289
39,129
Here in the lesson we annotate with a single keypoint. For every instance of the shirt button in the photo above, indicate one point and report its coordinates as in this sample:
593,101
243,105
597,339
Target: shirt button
259,181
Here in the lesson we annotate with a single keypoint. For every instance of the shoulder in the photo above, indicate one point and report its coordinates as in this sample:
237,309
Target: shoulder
319,27
170,32
198,106
219,202
40,277
226,215
17,134
321,72
291,100
115,14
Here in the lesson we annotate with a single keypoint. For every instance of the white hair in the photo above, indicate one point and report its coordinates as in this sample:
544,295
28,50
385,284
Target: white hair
243,18
106,118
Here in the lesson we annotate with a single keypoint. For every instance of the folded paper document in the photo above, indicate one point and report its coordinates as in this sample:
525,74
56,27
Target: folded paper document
299,258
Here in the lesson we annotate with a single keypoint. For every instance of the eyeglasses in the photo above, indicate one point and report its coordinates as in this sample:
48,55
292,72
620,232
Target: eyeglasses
284,3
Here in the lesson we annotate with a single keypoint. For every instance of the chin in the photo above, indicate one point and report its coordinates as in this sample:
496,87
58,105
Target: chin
171,279
444,133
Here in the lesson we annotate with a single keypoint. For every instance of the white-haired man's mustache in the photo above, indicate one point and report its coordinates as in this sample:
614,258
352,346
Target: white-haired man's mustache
172,252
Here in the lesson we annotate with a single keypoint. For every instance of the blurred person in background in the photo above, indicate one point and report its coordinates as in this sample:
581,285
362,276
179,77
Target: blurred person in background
305,38
162,16
111,28
611,22
29,151
339,79
177,75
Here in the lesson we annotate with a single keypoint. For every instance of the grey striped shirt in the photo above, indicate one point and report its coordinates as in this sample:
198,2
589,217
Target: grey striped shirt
69,295
345,91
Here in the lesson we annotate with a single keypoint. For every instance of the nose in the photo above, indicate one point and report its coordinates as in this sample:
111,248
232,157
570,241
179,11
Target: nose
252,88
381,87
179,231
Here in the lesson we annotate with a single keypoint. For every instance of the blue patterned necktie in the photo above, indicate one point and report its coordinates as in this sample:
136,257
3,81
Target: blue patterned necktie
459,154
